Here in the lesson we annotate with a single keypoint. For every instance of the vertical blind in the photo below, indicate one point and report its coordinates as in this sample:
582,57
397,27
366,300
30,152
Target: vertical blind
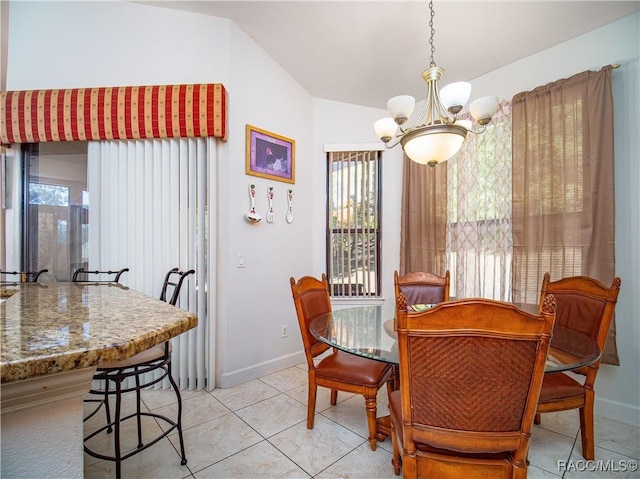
353,251
148,212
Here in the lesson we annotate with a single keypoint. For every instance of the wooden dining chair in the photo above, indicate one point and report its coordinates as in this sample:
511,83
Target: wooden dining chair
586,306
421,287
470,375
144,369
338,371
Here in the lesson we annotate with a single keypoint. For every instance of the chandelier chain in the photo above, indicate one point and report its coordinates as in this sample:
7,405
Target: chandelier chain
433,32
436,134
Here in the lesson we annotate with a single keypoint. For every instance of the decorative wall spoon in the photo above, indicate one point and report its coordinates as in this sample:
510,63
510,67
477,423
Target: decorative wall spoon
271,217
252,216
290,209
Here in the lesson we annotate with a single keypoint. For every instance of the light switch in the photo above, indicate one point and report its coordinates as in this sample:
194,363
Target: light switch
240,261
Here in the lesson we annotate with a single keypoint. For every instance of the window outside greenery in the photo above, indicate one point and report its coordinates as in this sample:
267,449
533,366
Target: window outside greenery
51,195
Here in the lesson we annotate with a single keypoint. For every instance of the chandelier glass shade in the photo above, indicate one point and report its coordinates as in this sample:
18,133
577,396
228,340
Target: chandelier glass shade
437,134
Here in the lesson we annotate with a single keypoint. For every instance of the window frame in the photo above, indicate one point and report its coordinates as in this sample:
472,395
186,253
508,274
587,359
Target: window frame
376,231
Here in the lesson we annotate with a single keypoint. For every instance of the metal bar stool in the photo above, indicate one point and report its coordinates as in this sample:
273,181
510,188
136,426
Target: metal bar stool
155,358
25,276
82,276
85,275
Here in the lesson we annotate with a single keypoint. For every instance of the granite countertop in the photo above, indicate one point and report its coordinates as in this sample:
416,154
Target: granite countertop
47,328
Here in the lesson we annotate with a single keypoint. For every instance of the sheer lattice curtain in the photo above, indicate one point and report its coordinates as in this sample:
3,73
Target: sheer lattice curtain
563,187
148,212
478,232
456,215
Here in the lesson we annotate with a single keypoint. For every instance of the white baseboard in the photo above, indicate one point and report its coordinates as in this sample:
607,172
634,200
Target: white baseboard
233,378
626,413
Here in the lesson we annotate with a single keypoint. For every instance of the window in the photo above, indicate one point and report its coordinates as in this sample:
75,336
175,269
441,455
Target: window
563,206
353,219
55,214
44,194
479,237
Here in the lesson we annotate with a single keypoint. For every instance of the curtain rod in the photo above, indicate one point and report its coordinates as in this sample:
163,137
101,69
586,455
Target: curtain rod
615,66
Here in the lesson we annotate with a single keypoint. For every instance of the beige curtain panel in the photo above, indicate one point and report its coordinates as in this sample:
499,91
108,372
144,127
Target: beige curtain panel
563,185
424,218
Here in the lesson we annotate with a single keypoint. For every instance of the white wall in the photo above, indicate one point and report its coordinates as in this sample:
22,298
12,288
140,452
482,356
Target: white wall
256,300
91,44
338,124
79,44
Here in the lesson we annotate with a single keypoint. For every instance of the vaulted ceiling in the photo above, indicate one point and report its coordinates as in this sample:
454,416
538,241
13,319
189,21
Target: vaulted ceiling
365,52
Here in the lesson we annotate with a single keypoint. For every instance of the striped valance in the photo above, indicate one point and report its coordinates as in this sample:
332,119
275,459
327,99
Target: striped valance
113,113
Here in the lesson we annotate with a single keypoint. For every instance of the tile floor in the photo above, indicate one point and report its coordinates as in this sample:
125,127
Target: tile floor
258,430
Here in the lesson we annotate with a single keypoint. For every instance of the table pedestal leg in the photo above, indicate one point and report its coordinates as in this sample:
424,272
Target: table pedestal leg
383,428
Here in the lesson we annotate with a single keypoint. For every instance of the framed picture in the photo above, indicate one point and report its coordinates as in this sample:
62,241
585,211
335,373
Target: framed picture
270,155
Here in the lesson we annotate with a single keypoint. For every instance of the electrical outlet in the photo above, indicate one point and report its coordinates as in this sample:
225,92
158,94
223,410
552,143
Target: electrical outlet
285,331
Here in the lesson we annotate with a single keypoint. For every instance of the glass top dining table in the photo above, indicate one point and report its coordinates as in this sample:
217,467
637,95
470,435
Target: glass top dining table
366,331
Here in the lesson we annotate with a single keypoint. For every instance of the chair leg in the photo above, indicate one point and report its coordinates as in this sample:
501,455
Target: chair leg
587,432
106,405
520,472
116,439
311,403
393,384
536,418
138,415
370,403
118,378
179,420
396,461
410,467
334,397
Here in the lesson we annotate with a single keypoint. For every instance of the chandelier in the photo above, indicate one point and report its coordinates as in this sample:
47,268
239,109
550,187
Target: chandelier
437,133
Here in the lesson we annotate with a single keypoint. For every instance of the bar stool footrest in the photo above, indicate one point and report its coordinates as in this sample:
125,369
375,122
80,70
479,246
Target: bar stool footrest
172,426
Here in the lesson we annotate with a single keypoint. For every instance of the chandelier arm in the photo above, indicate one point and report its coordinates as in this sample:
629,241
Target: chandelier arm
434,114
432,111
421,118
435,111
478,131
443,113
393,142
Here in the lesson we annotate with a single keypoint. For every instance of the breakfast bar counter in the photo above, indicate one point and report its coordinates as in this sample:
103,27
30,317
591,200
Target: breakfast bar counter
53,336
